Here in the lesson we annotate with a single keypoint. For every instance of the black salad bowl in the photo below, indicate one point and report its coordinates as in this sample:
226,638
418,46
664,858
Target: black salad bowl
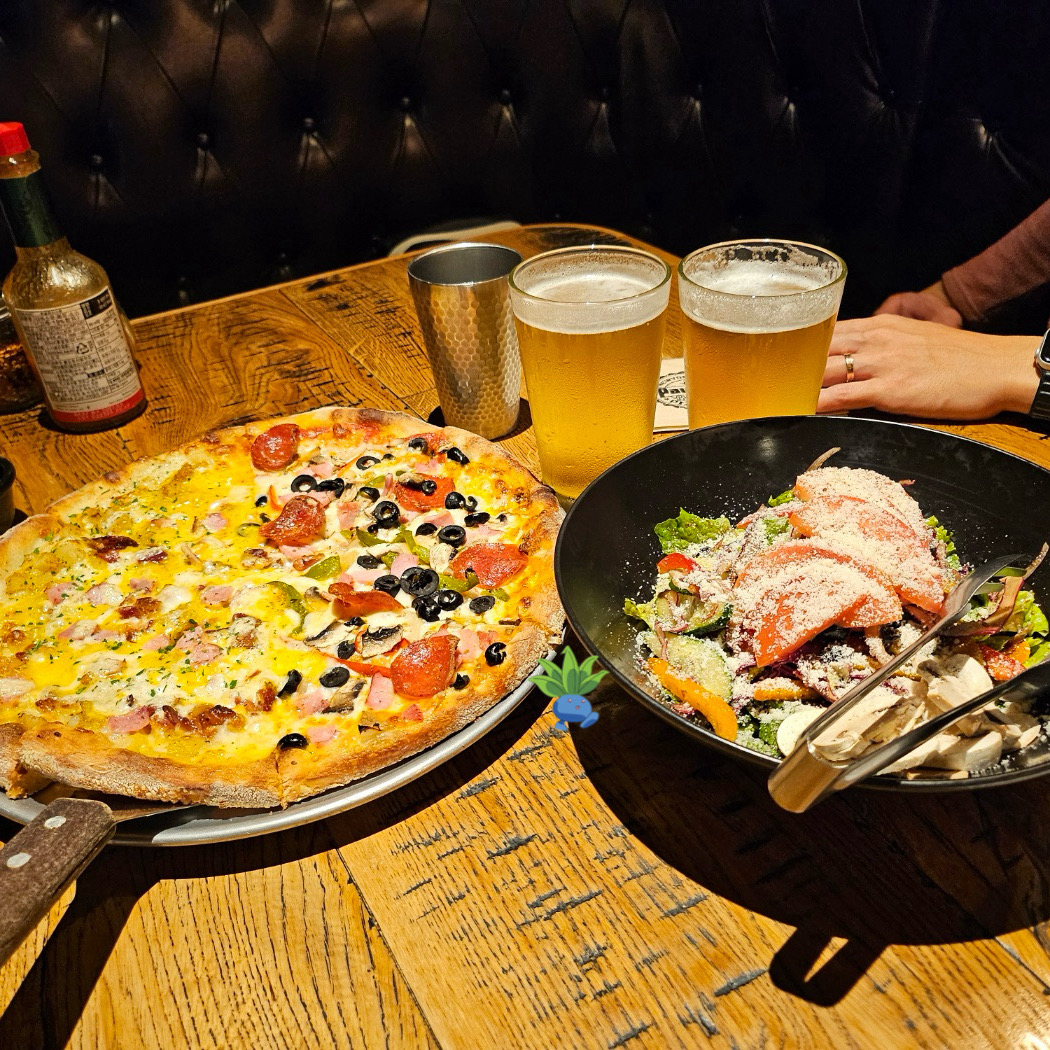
993,502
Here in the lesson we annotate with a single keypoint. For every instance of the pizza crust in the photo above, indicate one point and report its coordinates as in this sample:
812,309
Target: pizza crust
93,760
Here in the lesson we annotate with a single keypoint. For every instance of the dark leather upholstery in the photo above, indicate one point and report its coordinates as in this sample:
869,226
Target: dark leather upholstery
202,147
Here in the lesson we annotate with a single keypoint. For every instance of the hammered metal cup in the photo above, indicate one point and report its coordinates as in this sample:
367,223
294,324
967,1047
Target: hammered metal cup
462,299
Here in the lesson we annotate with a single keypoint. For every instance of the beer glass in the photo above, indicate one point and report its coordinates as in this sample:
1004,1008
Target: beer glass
758,321
590,324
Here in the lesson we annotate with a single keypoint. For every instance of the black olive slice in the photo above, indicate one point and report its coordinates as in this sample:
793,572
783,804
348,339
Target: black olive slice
304,483
455,501
368,492
366,461
368,561
389,584
336,485
495,654
419,444
262,501
453,535
482,603
461,682
344,650
291,683
292,740
479,518
335,677
419,581
428,528
427,609
456,455
449,599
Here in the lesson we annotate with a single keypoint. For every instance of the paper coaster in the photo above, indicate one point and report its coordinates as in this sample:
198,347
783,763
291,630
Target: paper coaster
670,396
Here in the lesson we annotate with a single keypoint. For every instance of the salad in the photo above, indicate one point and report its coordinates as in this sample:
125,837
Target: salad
754,628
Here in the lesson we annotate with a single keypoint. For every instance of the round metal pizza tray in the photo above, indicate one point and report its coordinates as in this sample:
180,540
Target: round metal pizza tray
196,825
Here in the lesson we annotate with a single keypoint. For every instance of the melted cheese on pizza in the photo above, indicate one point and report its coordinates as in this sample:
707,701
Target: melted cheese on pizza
166,619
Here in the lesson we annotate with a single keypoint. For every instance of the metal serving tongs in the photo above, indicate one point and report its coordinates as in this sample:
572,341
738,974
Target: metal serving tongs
806,777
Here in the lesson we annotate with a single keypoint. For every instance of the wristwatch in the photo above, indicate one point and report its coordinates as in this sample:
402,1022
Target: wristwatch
1041,405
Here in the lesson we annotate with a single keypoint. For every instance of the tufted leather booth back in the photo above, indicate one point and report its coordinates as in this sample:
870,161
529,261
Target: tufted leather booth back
202,147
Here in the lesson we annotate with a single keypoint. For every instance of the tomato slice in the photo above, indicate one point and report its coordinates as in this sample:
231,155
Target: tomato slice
415,499
492,563
676,561
880,604
350,603
425,667
892,544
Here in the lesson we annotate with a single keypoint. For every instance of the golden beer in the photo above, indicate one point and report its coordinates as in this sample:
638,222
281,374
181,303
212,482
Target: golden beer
590,325
758,321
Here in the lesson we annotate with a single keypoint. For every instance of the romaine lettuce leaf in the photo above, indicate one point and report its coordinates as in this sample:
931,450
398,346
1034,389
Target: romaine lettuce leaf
677,534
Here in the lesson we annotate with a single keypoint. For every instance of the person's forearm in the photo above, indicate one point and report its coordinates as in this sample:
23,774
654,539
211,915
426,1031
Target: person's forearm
1020,377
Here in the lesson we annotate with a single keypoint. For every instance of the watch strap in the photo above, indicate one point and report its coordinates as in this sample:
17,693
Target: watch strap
1041,402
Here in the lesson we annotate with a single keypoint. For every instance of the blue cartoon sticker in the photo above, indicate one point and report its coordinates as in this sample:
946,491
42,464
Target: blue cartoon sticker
567,684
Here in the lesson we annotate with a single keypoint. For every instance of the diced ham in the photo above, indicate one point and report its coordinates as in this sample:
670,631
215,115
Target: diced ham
75,632
347,514
358,577
294,552
141,583
440,518
204,654
321,470
402,562
12,687
138,718
380,693
320,734
217,594
412,714
388,484
469,645
158,641
57,591
215,521
432,466
189,639
104,594
486,638
311,702
323,497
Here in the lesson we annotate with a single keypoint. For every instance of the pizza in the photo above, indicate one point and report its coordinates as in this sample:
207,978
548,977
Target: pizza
271,610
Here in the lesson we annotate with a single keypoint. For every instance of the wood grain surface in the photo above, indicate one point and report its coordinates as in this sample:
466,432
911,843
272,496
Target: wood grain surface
613,887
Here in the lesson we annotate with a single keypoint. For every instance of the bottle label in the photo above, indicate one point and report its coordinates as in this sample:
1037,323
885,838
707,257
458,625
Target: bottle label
83,358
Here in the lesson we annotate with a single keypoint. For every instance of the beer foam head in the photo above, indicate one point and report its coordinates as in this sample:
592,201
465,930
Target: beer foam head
590,290
761,288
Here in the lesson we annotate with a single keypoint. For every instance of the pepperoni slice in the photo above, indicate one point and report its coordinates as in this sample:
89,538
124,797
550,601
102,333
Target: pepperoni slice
415,499
492,563
300,522
425,667
276,448
350,603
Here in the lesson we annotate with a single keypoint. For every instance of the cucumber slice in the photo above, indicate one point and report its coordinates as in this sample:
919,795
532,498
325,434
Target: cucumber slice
675,611
702,660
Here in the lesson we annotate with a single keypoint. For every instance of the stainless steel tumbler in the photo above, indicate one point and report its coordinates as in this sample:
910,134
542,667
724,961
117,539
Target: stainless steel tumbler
461,296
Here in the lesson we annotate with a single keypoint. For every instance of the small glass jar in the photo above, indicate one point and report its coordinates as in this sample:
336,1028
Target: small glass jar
19,386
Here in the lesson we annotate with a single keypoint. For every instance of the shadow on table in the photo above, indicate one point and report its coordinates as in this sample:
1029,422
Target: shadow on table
50,1001
868,867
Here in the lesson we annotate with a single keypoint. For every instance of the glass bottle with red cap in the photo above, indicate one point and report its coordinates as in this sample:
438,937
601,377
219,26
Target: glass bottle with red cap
63,306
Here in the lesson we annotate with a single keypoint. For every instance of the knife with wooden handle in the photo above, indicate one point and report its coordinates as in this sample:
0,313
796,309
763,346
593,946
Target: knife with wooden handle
50,852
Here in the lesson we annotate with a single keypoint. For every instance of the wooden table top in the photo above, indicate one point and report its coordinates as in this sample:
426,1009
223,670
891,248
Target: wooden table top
614,887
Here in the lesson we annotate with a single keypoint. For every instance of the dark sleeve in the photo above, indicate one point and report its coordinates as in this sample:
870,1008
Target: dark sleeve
1016,264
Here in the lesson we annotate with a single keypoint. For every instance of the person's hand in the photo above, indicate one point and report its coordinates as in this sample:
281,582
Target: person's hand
931,304
917,368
